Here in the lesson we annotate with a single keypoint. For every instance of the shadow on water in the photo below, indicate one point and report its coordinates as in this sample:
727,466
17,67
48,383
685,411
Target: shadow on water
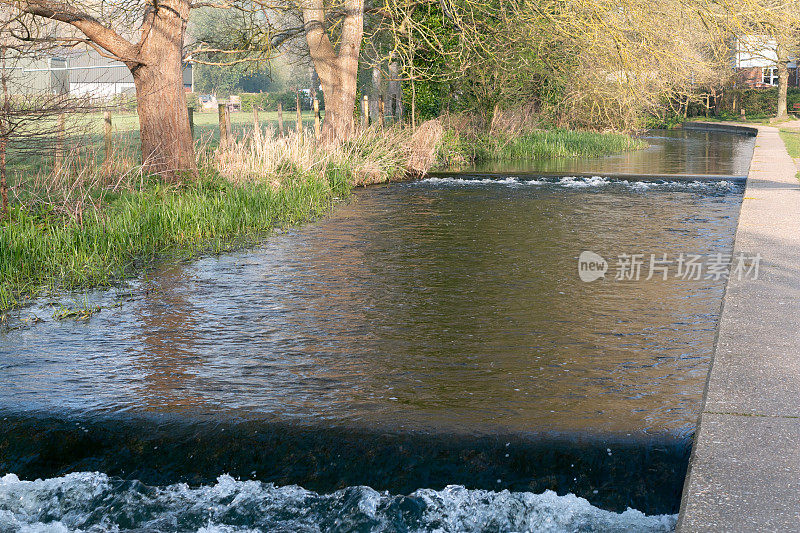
423,335
613,473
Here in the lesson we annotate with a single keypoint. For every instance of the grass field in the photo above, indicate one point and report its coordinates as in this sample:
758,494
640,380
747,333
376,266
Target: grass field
86,135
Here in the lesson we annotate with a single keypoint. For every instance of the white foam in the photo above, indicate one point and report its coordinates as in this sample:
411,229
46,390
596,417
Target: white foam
94,502
578,182
480,181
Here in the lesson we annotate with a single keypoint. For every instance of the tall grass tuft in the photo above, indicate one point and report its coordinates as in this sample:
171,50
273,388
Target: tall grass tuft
372,155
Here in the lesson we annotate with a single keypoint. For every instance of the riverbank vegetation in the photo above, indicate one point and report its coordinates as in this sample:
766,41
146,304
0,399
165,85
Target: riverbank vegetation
93,224
459,148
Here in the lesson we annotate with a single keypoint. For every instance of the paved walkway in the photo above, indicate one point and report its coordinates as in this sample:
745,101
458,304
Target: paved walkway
744,473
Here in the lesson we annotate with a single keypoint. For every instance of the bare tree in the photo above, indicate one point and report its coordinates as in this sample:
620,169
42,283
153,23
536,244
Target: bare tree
153,54
31,109
765,29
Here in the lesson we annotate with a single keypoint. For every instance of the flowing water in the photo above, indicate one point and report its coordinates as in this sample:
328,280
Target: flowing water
670,152
424,358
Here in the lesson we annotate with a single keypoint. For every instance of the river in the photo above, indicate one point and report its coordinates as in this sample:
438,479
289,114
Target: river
424,358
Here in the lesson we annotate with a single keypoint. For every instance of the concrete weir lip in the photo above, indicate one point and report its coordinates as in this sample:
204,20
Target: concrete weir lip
744,471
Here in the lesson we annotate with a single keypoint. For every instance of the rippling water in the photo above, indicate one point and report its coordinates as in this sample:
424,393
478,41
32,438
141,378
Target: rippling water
675,151
439,305
423,338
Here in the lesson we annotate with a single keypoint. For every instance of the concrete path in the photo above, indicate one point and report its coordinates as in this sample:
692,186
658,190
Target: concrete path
744,473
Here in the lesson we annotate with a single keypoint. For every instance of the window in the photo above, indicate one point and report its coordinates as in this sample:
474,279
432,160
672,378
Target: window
770,76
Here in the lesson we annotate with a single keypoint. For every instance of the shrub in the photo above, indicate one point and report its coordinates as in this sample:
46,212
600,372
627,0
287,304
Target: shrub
193,100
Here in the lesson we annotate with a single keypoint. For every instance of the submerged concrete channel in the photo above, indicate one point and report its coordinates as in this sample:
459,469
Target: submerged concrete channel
744,471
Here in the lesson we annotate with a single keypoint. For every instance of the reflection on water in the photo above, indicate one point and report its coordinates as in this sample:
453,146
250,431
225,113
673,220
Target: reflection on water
670,152
424,334
445,307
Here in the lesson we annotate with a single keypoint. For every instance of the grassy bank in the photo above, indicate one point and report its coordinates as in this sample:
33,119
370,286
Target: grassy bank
88,227
791,138
43,250
458,148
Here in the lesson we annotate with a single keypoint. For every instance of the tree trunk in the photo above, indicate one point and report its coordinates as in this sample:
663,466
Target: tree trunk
376,92
395,90
340,101
167,145
337,71
783,88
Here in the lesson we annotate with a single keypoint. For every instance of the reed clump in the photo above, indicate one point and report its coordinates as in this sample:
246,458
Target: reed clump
372,155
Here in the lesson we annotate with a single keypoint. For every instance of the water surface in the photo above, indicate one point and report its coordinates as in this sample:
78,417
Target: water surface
423,335
675,151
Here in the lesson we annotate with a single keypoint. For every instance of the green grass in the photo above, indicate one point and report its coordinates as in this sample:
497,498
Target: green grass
538,144
791,138
43,252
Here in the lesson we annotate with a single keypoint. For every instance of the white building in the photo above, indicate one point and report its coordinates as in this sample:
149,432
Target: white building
756,60
82,73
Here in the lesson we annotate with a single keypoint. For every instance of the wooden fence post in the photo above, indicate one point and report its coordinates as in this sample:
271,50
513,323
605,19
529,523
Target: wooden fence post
299,124
107,132
317,129
280,119
381,112
222,110
365,111
191,120
228,129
